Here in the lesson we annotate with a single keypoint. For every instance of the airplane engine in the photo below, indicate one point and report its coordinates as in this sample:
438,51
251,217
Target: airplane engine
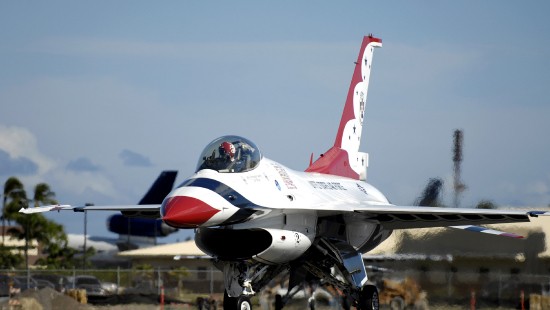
270,246
286,245
145,227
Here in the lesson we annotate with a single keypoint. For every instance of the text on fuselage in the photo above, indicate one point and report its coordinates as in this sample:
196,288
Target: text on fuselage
327,185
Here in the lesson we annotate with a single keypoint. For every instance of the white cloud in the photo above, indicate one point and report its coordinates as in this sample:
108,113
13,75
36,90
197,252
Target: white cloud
19,142
82,164
82,123
86,185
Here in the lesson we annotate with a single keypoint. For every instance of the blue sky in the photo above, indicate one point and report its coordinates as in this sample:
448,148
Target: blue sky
96,98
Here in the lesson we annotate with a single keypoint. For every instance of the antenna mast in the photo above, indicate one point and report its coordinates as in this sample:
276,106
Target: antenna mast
459,187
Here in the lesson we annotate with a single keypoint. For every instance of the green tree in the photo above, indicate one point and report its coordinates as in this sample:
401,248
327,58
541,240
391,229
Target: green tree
44,231
180,273
43,195
430,194
13,192
64,257
144,275
47,233
57,257
8,259
486,204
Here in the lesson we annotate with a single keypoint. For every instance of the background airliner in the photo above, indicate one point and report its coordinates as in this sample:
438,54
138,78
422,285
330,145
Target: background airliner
258,218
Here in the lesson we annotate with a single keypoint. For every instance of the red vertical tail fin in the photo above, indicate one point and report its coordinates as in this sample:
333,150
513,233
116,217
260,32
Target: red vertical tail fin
344,158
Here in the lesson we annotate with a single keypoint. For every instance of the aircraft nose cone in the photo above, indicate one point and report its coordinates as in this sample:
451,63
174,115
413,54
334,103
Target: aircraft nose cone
186,212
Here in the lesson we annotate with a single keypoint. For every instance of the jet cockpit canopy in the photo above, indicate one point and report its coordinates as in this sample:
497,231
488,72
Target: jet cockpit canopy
230,154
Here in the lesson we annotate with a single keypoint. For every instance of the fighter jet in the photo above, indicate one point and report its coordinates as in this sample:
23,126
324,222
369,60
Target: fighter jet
257,218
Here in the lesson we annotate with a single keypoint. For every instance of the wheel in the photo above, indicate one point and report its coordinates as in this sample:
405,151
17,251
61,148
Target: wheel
397,303
229,303
311,303
368,298
278,302
200,303
243,303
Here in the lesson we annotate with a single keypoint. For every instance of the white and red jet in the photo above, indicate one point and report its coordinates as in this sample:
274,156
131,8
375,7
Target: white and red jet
258,218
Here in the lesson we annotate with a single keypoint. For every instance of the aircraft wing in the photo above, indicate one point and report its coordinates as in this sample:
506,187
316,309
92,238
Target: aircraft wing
403,217
129,210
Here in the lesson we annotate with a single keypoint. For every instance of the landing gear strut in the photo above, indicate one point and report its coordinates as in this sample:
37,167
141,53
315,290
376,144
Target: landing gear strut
242,280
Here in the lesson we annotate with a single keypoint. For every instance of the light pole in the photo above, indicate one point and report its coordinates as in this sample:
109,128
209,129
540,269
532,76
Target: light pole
3,218
85,235
25,204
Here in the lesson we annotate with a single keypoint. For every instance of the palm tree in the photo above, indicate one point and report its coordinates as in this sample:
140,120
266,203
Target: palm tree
486,204
431,193
49,232
36,226
39,228
43,195
13,190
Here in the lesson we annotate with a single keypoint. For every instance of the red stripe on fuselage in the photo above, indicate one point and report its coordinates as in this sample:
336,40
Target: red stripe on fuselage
186,212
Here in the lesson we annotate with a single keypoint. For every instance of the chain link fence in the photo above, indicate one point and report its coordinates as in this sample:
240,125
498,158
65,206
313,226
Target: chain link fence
483,289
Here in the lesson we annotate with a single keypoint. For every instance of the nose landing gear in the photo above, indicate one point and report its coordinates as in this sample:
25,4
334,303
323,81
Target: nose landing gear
243,303
236,303
368,298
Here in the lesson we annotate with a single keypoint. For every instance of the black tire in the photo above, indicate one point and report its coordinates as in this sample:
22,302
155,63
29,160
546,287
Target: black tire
200,303
243,303
229,303
311,303
278,302
368,298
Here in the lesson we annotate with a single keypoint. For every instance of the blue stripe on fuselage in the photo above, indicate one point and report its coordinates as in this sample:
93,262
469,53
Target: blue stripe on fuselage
246,207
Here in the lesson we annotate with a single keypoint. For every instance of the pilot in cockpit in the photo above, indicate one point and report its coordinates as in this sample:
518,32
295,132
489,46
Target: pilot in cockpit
230,154
234,158
227,154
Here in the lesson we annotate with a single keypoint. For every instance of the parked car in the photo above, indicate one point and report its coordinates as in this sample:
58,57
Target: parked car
5,281
60,283
109,287
91,284
44,283
23,283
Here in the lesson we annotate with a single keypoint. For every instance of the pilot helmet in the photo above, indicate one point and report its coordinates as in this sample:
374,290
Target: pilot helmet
227,150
